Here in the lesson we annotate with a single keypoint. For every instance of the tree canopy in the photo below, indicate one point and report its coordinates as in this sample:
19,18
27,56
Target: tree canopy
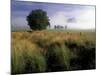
38,19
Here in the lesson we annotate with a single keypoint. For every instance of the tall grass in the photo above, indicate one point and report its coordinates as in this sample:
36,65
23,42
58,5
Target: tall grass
58,57
27,58
45,51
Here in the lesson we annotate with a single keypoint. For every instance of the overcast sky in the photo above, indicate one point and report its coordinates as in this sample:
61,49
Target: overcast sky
74,16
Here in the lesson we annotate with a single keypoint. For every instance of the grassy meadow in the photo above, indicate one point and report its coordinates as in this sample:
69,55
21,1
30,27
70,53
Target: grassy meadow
51,51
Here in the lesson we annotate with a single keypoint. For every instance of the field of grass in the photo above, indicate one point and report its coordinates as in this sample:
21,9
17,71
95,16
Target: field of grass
47,51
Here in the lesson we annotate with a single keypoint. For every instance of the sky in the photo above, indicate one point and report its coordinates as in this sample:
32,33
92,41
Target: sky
71,15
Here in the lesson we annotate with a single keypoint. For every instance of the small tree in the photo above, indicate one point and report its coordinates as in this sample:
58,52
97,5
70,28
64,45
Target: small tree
55,26
38,19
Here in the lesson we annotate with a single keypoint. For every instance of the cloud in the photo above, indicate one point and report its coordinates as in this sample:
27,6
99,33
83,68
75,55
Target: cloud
79,19
58,19
85,20
72,20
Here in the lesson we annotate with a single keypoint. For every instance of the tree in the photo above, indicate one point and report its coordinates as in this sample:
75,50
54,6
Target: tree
38,19
55,26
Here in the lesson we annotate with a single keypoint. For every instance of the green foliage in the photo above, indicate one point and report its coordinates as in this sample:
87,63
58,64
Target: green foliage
38,19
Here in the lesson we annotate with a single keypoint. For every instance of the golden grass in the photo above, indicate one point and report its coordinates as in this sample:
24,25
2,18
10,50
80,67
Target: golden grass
30,48
49,37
